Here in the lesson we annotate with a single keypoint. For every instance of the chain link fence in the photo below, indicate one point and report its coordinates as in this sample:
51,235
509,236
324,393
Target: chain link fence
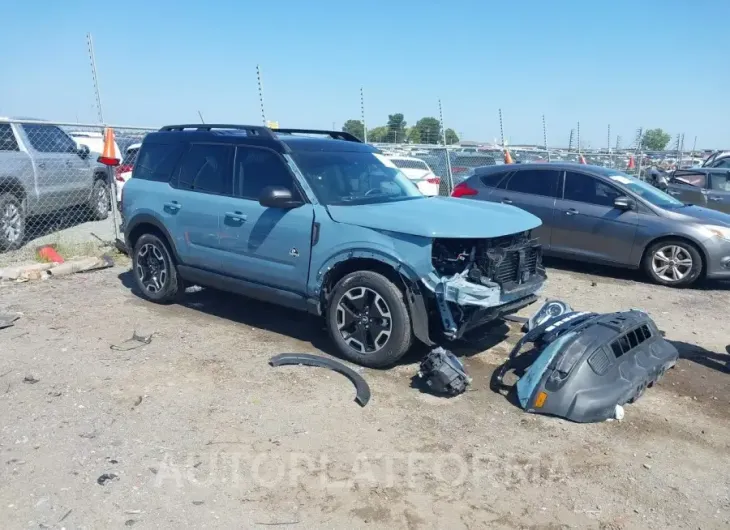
53,192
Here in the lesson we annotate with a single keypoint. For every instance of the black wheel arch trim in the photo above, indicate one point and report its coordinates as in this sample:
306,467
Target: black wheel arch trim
362,389
151,220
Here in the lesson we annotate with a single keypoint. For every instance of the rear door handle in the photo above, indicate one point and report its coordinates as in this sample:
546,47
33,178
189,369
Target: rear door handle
506,201
173,206
236,216
571,211
715,199
675,193
42,165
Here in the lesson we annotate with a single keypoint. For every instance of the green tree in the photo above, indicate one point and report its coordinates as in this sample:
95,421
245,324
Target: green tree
414,135
378,134
429,130
354,127
655,140
396,128
451,137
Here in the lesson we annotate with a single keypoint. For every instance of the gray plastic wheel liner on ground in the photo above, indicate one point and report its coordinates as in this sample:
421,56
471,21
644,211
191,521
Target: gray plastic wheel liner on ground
362,389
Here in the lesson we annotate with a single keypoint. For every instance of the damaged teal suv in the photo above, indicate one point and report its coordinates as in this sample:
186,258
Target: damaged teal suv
321,222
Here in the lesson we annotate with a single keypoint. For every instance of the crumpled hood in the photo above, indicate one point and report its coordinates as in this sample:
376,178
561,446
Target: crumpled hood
698,213
438,217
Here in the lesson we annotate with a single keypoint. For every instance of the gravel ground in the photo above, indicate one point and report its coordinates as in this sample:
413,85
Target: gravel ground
195,430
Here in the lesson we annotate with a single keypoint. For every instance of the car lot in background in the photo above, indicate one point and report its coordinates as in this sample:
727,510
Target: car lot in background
123,172
419,173
94,141
601,215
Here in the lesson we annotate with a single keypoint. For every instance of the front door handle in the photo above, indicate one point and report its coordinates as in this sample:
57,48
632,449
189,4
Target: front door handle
506,201
236,216
675,193
172,206
715,199
571,211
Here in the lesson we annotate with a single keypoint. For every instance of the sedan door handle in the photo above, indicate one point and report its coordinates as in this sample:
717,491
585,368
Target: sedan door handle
571,211
506,201
715,199
173,206
675,193
42,165
236,216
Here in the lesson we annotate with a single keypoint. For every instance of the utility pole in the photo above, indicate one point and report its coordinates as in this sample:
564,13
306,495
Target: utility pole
694,146
501,129
90,44
441,119
261,93
608,144
578,136
570,141
362,114
201,117
639,140
544,137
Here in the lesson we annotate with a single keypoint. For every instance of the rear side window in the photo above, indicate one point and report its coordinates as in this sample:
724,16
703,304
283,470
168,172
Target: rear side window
409,164
49,139
720,182
130,157
535,182
156,161
493,180
723,162
7,138
258,168
207,168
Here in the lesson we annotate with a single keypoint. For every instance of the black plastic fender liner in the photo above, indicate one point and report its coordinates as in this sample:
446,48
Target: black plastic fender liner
362,389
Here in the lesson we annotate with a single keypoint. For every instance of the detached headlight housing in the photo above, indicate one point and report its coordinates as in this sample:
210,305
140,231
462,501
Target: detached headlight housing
723,232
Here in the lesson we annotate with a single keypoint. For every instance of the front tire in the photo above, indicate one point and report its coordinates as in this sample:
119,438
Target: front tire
673,262
368,320
12,222
99,203
155,271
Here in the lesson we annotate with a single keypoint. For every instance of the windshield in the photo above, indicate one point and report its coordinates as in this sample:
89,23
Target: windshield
647,192
354,177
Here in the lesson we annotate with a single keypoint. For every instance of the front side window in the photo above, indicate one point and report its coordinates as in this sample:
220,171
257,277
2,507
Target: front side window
586,189
207,168
535,182
354,177
689,178
723,162
257,169
49,139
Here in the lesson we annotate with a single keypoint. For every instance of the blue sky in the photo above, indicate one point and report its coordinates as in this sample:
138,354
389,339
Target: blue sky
629,63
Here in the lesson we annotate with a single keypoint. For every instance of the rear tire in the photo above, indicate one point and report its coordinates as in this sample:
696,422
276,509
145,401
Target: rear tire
100,202
368,320
12,222
673,262
155,270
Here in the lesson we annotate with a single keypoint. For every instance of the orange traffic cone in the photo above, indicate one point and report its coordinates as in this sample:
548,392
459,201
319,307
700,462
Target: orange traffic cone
507,157
581,159
632,164
108,156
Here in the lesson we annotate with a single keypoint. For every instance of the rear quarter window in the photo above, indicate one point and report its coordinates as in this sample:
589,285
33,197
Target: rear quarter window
156,161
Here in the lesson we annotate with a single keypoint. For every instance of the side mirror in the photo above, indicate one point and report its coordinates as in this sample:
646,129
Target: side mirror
83,151
278,197
624,203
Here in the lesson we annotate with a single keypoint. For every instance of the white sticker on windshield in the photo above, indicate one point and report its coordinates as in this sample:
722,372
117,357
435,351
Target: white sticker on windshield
386,161
620,179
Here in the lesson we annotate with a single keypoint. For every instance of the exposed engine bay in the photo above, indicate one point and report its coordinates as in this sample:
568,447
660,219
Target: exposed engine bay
478,280
504,260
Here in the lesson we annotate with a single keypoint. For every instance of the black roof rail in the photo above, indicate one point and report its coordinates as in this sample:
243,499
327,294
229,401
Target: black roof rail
253,130
336,135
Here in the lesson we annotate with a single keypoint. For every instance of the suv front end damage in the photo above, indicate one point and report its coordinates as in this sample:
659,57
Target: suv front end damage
475,281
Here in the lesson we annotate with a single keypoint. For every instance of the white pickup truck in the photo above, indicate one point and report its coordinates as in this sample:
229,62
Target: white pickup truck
42,171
